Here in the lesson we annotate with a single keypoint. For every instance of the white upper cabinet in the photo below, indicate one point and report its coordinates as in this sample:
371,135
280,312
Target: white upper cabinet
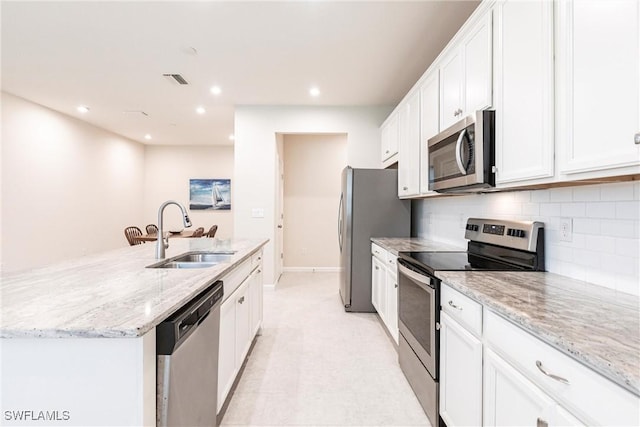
598,99
523,90
465,74
389,137
409,147
429,124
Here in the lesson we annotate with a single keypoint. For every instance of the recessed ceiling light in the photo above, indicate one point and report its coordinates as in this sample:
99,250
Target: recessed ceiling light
314,91
200,110
147,136
216,90
83,109
232,137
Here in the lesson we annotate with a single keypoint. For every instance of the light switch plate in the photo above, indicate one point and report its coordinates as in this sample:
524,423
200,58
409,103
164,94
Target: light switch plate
257,213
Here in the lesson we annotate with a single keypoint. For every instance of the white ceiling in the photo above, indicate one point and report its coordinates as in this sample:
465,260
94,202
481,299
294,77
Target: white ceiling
111,55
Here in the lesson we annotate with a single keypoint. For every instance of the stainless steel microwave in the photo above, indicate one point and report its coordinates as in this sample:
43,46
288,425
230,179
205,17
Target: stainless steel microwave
462,157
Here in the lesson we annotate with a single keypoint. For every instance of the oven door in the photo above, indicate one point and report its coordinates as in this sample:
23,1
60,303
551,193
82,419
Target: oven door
418,305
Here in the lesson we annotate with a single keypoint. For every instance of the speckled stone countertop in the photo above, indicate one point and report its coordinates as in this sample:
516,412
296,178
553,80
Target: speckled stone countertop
413,244
595,325
108,295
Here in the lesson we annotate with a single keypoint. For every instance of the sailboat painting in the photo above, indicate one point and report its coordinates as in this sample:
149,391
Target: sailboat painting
210,194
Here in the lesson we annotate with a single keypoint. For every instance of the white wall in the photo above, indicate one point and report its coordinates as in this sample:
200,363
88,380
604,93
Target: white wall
312,180
167,173
256,159
68,188
606,227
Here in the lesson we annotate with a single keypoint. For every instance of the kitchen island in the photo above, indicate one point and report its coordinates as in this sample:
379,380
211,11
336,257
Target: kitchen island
78,338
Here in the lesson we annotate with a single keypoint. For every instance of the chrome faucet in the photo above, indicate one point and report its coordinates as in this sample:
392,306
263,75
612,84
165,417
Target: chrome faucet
161,244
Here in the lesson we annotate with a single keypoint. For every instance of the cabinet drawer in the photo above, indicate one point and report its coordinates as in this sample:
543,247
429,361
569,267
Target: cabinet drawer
462,308
392,262
591,397
256,260
379,253
232,280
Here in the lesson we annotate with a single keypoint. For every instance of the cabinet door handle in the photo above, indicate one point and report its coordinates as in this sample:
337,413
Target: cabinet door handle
377,268
636,138
541,423
241,300
395,285
454,306
555,377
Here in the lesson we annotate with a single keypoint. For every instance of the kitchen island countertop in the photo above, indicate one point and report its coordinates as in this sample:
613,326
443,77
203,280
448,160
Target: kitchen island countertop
597,326
111,294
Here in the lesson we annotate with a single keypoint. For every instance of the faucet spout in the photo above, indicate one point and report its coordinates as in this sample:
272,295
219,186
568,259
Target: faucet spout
161,244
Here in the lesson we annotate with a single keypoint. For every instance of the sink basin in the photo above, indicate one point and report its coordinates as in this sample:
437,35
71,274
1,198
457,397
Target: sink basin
194,260
174,264
200,257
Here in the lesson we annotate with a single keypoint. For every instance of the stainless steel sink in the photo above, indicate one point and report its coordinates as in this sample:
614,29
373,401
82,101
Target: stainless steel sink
194,260
174,264
203,257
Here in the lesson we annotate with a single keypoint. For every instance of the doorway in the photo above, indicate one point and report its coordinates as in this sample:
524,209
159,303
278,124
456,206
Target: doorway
311,178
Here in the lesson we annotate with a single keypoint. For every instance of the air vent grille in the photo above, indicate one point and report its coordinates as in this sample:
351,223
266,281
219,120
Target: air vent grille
177,77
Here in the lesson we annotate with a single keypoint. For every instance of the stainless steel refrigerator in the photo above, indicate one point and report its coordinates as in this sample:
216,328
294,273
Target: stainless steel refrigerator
369,207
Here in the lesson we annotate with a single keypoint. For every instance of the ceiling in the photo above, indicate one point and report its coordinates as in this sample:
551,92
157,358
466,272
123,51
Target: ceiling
111,57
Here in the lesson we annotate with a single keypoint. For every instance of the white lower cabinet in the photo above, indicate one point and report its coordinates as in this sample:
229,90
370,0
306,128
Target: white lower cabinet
256,296
384,288
494,373
391,318
460,374
509,398
240,320
378,285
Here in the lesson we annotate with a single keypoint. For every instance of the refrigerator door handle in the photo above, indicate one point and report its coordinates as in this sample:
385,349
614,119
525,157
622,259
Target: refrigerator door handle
340,221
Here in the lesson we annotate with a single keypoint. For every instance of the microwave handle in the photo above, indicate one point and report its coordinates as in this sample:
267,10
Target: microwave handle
463,171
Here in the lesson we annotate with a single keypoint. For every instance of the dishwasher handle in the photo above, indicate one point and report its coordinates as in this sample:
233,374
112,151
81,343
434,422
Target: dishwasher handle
173,331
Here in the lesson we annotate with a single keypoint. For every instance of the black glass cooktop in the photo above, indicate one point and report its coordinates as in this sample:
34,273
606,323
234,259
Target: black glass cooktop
455,261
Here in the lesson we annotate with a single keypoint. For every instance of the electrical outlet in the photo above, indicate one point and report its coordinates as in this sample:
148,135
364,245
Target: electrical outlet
566,229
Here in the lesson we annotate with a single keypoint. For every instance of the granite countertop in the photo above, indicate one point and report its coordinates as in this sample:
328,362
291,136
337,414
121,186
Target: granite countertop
413,244
595,325
108,295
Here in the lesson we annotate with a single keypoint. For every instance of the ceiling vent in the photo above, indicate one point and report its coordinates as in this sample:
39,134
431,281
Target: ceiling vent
136,112
176,77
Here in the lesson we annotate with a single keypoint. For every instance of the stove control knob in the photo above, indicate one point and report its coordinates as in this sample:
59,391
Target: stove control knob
510,231
520,233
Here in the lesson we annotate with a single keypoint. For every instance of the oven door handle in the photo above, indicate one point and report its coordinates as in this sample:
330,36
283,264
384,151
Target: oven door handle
424,282
463,170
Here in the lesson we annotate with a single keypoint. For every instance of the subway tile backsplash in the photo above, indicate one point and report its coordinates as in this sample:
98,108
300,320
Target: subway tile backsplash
605,243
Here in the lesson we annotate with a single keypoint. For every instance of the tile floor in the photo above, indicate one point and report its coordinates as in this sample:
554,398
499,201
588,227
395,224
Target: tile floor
316,365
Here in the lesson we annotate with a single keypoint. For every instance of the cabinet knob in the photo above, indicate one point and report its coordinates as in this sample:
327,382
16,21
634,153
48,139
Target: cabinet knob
395,285
636,138
386,152
541,423
405,188
241,300
377,268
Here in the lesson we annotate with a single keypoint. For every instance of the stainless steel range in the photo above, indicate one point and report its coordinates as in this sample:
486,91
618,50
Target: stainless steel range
493,245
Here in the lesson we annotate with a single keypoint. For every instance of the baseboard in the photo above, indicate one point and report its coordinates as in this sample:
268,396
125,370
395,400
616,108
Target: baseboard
311,269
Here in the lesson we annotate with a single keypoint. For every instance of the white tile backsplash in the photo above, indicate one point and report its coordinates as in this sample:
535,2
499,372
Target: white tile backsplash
605,246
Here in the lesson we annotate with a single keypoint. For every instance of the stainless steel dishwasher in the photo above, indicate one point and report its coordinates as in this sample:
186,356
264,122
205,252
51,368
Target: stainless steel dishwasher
187,369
